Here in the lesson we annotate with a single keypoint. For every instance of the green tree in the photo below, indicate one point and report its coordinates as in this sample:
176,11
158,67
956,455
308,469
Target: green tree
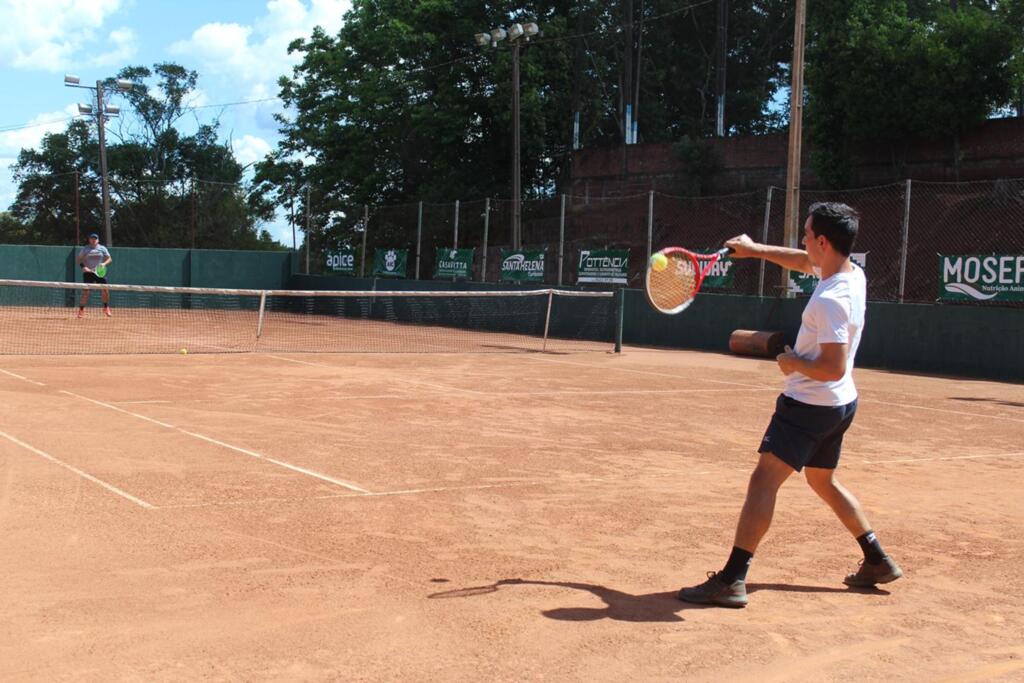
892,72
167,189
399,106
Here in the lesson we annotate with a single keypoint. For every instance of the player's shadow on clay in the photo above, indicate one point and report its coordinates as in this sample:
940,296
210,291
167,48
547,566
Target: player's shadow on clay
621,606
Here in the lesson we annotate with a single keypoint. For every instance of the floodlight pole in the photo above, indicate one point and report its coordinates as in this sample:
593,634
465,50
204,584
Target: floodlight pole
101,114
101,124
796,112
516,169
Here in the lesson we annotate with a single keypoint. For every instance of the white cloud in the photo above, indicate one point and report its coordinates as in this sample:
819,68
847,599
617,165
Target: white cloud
29,136
123,46
47,34
250,58
250,149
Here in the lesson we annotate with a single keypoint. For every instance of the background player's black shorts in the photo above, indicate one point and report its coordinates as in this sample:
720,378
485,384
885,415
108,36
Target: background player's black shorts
804,435
93,279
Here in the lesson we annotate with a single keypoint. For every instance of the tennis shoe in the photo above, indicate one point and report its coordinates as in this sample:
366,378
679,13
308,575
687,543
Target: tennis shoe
716,591
868,574
106,312
81,313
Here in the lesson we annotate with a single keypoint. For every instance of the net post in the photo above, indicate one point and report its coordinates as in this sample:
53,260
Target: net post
487,221
547,320
764,240
561,241
419,236
905,239
619,313
366,229
263,307
650,223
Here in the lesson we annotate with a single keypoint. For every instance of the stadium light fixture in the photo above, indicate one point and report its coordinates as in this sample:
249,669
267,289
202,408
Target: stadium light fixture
516,32
71,80
498,35
483,39
84,108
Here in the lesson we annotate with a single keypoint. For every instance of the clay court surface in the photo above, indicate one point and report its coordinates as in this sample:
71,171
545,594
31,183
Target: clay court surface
517,516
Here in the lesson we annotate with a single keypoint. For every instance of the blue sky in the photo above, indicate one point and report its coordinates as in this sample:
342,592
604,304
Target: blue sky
237,46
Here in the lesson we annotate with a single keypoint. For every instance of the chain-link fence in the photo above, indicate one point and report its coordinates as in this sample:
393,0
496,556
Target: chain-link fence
905,229
918,241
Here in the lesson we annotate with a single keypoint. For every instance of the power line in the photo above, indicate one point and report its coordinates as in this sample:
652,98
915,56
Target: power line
37,124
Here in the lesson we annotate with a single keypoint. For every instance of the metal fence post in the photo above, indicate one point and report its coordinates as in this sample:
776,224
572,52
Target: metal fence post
455,234
419,236
650,224
905,239
487,222
307,230
561,240
764,239
366,229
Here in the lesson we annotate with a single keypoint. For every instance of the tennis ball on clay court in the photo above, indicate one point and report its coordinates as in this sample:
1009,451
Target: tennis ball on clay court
183,352
659,262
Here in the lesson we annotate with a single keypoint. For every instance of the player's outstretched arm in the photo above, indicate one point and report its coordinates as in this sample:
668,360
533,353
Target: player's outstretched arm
793,259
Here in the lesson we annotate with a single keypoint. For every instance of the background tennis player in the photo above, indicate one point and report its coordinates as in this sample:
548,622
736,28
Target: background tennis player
815,408
94,256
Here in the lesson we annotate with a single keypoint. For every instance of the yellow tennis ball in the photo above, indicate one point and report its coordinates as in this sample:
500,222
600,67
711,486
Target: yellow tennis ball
659,262
183,352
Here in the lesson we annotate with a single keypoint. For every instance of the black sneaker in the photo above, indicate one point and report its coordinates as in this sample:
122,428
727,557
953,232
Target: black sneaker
715,591
868,574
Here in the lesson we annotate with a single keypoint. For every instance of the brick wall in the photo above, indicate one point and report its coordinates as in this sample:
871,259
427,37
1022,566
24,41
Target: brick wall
991,151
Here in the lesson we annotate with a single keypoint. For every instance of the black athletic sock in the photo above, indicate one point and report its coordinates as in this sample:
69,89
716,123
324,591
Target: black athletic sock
737,566
873,553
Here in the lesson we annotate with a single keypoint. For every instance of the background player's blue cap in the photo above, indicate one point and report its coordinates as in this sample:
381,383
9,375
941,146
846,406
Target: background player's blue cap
93,235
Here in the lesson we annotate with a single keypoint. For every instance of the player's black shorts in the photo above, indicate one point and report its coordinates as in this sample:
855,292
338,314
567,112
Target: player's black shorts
93,279
804,435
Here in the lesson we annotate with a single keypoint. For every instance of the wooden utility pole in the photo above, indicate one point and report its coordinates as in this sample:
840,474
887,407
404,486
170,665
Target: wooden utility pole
796,113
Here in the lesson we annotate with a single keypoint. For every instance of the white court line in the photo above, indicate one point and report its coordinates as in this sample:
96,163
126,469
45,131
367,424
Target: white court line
946,410
398,379
85,475
948,457
520,394
195,435
135,403
651,372
24,379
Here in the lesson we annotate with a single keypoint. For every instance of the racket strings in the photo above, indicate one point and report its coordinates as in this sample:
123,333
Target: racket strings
675,284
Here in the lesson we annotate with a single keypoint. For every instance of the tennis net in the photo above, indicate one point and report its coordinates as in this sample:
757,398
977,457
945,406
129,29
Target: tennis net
45,318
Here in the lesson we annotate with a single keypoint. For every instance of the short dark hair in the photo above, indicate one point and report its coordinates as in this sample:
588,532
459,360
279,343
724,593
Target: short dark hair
837,222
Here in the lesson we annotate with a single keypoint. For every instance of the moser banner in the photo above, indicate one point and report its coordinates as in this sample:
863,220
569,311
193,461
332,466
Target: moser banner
721,275
522,265
457,263
988,277
603,265
342,261
802,283
390,262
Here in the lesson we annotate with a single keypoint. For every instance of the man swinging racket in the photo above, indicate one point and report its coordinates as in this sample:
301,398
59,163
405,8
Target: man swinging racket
815,408
94,259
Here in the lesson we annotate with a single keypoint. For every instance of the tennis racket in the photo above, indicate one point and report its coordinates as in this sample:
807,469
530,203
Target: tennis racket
101,270
674,276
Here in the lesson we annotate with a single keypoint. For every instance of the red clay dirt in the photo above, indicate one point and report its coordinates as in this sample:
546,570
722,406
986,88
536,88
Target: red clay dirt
487,517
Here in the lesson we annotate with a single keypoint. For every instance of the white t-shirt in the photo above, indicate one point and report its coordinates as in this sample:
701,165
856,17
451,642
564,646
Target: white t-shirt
834,315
